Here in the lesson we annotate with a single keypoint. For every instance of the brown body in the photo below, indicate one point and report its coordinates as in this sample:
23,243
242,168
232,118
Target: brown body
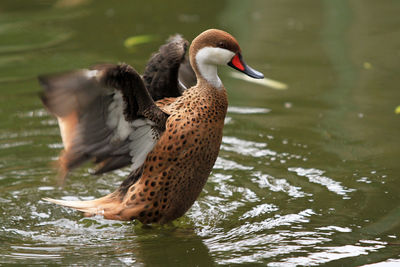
176,170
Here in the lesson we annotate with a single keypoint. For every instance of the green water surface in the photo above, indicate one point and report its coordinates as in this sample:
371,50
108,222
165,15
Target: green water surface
306,176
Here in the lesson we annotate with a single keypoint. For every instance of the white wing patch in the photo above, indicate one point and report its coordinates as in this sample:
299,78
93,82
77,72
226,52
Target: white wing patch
116,119
143,139
92,73
141,133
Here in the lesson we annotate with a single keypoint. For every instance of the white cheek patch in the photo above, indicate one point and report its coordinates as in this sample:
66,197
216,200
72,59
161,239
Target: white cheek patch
207,59
214,55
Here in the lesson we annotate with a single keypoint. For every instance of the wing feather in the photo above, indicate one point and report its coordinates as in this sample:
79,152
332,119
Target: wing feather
107,114
93,117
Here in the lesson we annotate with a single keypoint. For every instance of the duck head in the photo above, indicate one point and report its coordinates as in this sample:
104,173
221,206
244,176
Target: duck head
215,47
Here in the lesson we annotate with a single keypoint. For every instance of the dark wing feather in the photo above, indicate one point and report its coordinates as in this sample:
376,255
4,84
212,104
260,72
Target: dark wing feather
85,103
62,93
162,70
104,114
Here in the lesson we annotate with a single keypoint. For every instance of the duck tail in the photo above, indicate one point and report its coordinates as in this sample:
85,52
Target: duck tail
108,206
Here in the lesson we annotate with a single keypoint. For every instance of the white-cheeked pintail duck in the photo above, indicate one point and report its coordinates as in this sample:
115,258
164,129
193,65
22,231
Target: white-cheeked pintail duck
169,135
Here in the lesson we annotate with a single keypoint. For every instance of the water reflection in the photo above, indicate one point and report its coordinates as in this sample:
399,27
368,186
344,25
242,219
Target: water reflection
247,110
167,243
316,176
245,148
329,254
259,210
277,185
124,243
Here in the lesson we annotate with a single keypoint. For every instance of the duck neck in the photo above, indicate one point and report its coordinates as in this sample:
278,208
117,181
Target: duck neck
206,72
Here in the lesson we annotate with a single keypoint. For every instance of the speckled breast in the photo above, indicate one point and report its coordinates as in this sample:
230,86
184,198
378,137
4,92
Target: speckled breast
178,167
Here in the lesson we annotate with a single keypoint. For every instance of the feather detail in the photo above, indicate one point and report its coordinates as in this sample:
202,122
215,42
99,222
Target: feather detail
108,206
89,206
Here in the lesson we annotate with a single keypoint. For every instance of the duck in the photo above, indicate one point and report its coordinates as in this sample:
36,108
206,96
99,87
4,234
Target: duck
167,124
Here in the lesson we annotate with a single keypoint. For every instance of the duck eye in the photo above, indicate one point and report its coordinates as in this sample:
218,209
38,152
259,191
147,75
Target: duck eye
221,45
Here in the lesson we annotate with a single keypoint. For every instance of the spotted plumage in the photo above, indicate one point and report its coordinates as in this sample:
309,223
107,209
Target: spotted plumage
173,142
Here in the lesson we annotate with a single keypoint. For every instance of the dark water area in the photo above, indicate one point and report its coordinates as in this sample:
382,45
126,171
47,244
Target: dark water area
305,176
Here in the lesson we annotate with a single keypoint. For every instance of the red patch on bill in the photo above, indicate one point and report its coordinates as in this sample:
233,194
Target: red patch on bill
237,63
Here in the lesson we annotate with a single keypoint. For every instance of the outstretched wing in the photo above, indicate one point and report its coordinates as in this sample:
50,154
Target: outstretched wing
168,71
105,114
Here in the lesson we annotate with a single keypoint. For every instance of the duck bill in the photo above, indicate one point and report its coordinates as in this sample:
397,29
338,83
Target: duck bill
238,63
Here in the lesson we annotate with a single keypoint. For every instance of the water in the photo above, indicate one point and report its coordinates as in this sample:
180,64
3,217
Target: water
306,176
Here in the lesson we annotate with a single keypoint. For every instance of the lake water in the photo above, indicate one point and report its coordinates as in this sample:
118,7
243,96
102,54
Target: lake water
306,176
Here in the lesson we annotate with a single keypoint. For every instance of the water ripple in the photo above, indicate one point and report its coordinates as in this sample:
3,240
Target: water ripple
328,254
226,164
316,176
20,255
276,185
252,240
15,144
276,221
259,210
247,110
246,148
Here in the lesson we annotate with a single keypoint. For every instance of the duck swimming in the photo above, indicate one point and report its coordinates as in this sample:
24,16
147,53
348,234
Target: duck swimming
170,135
